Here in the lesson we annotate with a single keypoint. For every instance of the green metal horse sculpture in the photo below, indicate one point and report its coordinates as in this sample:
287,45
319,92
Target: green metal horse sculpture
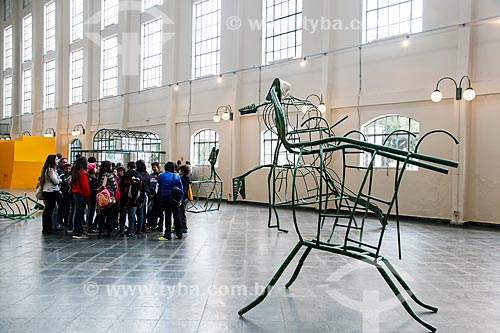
339,204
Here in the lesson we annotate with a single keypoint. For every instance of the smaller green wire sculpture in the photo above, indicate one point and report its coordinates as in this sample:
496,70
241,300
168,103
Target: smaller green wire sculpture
207,191
14,207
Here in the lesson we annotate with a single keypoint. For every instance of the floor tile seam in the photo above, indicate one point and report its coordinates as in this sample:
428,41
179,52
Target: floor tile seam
33,317
75,319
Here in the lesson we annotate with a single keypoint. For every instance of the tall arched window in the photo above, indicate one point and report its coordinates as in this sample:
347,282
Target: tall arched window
378,130
269,142
202,145
75,148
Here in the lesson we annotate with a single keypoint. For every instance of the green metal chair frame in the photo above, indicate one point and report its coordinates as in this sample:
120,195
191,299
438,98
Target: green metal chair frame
15,207
207,191
348,203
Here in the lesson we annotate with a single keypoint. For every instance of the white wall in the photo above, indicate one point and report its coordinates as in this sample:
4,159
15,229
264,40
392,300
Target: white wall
394,80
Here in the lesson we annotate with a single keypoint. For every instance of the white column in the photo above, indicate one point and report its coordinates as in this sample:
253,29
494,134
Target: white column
62,72
37,67
16,69
462,118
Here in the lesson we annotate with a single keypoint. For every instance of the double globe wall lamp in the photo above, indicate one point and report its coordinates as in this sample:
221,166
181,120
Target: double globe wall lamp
76,130
227,114
469,94
50,133
310,106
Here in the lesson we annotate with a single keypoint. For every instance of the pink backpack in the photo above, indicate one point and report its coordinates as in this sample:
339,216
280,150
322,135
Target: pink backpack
104,198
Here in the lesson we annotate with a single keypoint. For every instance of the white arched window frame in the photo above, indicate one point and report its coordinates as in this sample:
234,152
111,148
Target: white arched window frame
268,143
377,131
202,143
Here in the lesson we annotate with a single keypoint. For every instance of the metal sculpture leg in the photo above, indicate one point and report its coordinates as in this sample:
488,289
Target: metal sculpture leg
273,281
406,287
402,300
298,268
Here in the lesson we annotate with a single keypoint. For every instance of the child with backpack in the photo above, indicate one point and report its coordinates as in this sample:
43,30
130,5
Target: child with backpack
104,217
170,182
141,209
64,210
130,198
91,226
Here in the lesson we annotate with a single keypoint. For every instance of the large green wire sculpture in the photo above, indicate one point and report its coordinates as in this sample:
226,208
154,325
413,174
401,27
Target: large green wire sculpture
207,191
338,205
20,207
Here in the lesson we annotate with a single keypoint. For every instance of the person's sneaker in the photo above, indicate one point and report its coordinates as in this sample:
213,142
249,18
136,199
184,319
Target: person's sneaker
163,239
184,231
129,234
80,236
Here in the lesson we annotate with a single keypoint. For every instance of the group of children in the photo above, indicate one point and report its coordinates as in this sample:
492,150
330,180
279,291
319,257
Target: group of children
143,199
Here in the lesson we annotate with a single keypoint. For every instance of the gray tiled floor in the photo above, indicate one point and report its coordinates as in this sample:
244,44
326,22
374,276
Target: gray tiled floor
54,283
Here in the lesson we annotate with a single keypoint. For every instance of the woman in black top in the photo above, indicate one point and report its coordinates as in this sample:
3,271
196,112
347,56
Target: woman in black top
104,217
93,185
141,210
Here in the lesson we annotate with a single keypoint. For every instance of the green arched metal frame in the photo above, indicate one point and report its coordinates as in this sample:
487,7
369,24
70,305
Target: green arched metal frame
75,148
112,144
336,202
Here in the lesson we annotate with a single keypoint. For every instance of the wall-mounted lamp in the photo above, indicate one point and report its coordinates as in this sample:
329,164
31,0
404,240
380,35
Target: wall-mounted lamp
469,94
308,106
176,87
50,133
76,130
406,41
26,133
226,115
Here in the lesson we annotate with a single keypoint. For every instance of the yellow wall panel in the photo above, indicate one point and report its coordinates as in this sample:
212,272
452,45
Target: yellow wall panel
7,157
25,174
34,148
23,159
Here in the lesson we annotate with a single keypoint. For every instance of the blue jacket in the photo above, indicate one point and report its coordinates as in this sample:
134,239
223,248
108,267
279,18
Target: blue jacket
166,182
